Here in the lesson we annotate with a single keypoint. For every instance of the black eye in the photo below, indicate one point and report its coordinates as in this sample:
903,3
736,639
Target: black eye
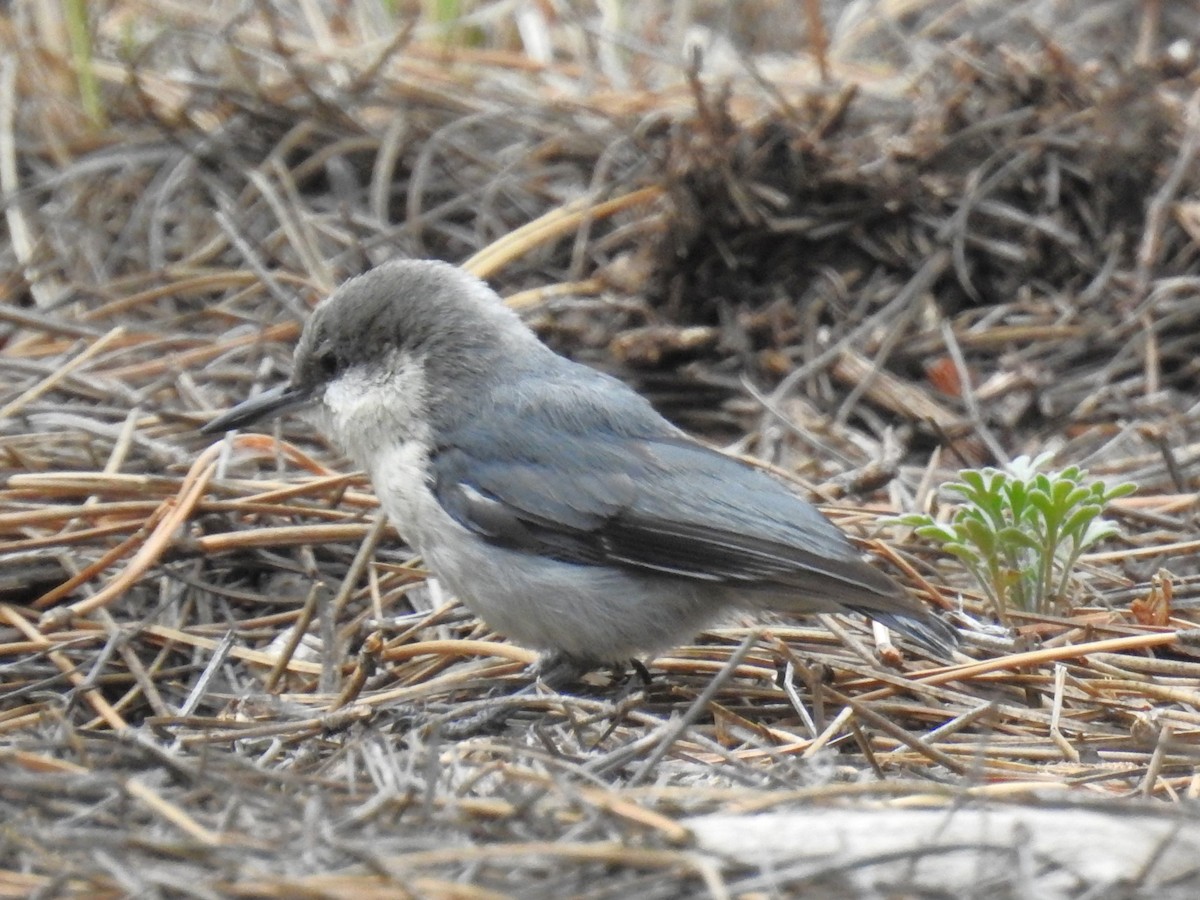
328,363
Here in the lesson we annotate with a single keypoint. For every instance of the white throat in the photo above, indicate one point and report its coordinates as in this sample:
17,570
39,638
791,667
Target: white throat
370,410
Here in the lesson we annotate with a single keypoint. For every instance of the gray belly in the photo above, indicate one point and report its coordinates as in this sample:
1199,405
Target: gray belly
593,613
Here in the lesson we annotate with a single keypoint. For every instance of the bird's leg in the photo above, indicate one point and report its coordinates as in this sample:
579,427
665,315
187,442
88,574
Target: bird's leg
557,670
639,669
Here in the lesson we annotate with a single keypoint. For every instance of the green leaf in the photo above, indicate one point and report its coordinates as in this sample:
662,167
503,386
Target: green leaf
1018,494
970,481
962,551
981,536
1070,495
1040,500
915,520
1017,537
1097,531
1078,521
935,531
1119,490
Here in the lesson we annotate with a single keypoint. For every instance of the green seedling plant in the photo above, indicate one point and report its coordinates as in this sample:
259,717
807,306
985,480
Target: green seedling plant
1019,531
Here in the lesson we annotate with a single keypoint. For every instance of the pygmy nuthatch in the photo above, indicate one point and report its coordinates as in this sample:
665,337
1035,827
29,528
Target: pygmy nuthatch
550,498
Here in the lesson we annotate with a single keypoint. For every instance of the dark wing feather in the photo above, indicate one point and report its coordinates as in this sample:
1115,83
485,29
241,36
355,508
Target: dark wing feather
663,505
573,479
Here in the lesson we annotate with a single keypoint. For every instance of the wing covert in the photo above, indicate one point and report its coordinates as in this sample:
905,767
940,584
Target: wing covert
661,504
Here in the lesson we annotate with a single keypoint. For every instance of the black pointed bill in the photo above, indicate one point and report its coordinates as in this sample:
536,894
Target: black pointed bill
266,405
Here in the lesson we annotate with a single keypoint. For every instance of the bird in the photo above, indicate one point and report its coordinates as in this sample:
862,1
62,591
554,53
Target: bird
552,499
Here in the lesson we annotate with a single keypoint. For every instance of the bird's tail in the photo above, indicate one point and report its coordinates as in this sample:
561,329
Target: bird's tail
837,585
926,629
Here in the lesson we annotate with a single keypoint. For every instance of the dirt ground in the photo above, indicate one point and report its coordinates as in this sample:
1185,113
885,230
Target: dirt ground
868,243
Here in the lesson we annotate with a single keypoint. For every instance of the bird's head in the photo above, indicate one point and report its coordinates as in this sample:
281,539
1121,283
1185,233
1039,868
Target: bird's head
389,344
